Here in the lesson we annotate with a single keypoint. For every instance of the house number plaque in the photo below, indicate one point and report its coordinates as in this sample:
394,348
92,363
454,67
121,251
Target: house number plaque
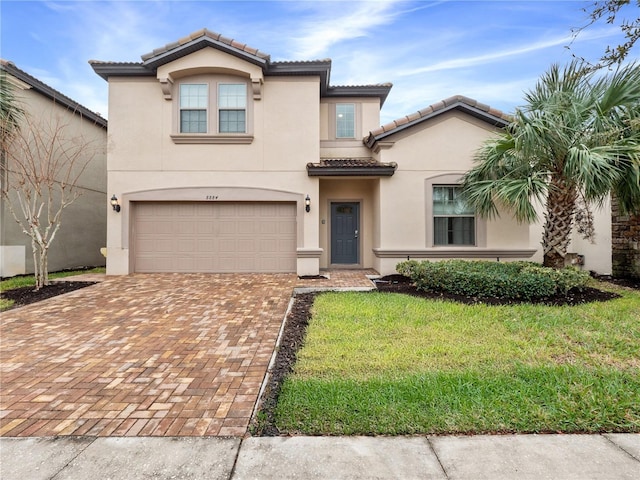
211,197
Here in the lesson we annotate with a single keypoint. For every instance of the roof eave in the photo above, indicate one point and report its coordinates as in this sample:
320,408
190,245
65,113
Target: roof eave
106,70
381,91
320,68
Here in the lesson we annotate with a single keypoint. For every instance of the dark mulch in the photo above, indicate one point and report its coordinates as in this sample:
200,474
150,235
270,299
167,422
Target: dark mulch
292,339
26,295
298,319
623,282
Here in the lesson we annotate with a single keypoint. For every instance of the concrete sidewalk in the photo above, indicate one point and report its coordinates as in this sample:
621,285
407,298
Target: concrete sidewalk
608,456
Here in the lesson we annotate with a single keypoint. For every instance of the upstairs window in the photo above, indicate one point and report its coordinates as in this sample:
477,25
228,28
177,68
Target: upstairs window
232,108
194,101
453,219
212,108
345,120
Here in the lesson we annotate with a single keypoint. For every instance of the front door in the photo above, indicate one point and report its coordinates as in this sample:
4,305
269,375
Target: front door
345,233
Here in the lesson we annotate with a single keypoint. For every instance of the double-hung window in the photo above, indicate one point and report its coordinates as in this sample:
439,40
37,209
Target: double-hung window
194,102
345,120
214,107
232,108
453,219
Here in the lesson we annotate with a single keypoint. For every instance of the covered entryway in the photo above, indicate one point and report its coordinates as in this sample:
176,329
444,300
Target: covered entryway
214,237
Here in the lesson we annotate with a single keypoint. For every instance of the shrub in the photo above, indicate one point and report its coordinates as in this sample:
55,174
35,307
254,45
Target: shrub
511,280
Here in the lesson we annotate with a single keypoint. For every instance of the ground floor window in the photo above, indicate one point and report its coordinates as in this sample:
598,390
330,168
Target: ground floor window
453,220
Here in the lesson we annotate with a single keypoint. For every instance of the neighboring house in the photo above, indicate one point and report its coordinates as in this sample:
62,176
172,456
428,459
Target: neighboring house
83,229
625,243
225,161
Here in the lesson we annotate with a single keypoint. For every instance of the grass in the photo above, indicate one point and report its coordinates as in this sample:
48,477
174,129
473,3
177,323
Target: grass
29,281
376,363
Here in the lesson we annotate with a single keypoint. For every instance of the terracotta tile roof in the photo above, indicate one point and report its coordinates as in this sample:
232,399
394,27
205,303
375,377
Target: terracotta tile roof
346,162
206,38
470,105
52,93
350,167
212,35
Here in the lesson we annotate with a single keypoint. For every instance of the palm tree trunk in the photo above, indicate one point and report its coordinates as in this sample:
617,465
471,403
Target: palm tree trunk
561,204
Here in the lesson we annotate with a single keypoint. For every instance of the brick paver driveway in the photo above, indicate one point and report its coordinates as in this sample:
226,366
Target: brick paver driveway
162,355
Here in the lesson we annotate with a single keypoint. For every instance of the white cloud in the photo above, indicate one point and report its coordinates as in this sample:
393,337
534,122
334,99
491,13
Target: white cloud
345,21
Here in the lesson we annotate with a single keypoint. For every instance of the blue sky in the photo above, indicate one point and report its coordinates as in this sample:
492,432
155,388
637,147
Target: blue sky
488,50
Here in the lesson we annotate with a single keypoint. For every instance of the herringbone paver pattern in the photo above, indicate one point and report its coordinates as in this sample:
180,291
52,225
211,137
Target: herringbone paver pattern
339,279
141,355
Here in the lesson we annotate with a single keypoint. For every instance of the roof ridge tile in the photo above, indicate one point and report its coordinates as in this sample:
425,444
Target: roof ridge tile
436,107
204,32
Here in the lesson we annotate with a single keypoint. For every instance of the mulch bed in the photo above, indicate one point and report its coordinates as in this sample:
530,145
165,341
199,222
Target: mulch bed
402,284
298,319
26,295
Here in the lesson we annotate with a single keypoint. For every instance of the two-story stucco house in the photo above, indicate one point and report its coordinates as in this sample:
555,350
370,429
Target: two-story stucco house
222,160
83,230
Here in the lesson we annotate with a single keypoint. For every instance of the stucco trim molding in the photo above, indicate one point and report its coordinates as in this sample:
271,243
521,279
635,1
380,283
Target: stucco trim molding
455,253
309,252
182,139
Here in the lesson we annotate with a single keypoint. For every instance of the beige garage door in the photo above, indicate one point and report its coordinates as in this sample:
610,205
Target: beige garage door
215,237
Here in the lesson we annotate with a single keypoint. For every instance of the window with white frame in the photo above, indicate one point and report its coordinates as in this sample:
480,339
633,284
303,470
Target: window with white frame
454,221
345,120
232,108
213,107
194,101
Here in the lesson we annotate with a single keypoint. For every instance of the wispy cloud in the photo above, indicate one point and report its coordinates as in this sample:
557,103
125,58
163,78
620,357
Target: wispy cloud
500,55
346,21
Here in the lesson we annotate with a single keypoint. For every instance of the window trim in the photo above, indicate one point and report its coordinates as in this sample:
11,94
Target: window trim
480,224
213,135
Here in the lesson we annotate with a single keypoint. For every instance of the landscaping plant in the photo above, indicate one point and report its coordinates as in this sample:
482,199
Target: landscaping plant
508,280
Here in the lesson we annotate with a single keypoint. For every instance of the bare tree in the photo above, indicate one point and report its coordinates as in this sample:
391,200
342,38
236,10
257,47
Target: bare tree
44,161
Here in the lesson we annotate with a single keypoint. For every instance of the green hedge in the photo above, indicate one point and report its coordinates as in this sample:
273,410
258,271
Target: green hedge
509,280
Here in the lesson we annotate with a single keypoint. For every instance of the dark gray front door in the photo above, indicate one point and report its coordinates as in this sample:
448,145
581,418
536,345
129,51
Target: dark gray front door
345,232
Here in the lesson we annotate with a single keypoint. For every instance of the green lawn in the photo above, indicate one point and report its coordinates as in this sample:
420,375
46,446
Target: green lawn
376,363
29,280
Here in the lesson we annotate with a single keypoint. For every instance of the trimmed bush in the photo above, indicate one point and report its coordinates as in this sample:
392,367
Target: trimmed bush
510,280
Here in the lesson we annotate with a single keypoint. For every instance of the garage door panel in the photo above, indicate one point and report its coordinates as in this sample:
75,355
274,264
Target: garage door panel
285,228
214,237
246,227
227,227
226,209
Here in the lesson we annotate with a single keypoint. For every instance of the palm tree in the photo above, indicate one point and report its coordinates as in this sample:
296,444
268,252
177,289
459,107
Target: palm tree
10,111
577,139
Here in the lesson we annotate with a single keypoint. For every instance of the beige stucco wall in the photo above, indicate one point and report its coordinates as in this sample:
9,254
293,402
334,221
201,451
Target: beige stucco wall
597,253
440,146
367,119
143,156
83,225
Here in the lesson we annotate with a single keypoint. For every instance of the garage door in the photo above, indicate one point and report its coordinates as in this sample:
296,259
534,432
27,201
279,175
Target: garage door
217,237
